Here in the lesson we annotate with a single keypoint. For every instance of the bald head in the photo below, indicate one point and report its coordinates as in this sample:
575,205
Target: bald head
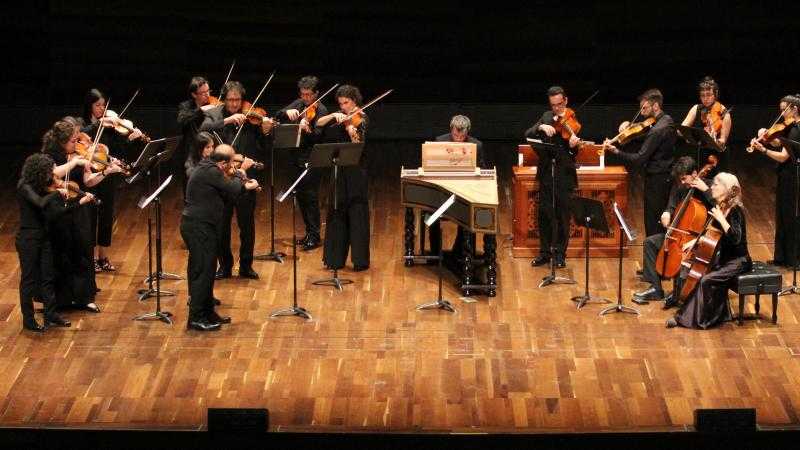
222,153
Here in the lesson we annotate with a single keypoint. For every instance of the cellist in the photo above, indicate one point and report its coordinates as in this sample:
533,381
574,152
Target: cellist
684,172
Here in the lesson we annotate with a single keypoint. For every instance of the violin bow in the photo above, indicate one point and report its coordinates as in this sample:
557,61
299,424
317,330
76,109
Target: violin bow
318,99
253,105
227,77
372,102
99,132
122,113
587,100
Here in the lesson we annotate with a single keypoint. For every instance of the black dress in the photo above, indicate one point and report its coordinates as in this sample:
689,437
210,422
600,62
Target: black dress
786,227
708,306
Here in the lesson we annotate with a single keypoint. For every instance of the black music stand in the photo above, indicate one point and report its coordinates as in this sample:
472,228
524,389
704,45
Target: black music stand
624,231
282,137
590,214
440,303
293,310
549,150
698,138
335,155
153,155
155,198
793,289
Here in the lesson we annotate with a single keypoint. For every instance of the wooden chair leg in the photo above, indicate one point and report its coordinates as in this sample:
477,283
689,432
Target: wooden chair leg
741,309
775,308
758,303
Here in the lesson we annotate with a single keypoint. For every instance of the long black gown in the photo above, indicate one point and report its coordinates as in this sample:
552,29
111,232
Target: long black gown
787,242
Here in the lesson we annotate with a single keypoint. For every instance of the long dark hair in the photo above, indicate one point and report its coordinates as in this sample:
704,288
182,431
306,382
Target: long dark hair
90,99
37,171
200,141
55,138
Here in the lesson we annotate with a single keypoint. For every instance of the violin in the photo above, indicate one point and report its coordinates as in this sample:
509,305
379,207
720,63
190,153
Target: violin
568,125
238,159
124,126
775,131
73,190
255,114
234,172
101,158
633,131
310,113
712,117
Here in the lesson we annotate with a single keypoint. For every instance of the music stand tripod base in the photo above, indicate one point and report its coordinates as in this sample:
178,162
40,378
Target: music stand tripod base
582,300
555,279
438,304
293,311
271,256
619,308
334,282
164,316
144,294
789,290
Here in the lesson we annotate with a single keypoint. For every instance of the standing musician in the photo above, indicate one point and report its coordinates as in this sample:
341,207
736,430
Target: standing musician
459,132
208,188
707,306
787,229
308,190
201,149
566,180
684,172
655,154
710,115
348,228
191,114
94,107
252,143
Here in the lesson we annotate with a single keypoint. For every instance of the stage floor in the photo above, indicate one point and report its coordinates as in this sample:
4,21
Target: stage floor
524,361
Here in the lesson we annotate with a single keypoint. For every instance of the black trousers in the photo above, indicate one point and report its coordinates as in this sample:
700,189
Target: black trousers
656,198
103,217
202,241
308,194
245,207
708,305
435,238
36,272
347,228
560,218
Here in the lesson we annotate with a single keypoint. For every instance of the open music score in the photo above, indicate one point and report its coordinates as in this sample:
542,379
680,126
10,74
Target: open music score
449,156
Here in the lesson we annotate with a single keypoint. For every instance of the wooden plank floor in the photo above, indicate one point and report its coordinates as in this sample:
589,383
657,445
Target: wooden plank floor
526,360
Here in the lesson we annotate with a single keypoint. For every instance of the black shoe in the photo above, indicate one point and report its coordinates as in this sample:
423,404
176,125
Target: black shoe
222,273
360,268
91,307
560,263
302,241
32,325
672,323
311,243
639,273
640,300
649,294
248,272
217,301
540,260
56,321
202,325
213,317
670,301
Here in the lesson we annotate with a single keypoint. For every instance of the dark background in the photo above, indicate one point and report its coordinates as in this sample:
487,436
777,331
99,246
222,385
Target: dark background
492,61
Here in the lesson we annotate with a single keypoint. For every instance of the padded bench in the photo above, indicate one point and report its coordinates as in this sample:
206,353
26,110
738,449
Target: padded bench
761,279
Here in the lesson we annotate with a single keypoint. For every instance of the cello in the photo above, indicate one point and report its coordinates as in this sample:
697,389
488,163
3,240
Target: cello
690,220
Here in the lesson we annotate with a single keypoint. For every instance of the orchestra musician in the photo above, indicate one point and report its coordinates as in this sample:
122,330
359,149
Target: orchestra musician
191,114
787,229
308,189
653,153
459,132
347,227
710,115
707,306
201,149
566,180
251,142
201,222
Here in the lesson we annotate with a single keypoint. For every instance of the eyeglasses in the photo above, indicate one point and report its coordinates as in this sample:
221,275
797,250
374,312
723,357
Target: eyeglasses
559,104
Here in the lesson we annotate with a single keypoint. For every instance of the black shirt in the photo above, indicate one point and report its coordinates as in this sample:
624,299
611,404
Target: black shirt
478,158
251,142
32,205
207,191
190,117
307,140
655,152
733,243
336,132
566,175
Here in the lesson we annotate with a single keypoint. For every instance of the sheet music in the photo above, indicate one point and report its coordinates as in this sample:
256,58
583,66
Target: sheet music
622,223
146,201
447,204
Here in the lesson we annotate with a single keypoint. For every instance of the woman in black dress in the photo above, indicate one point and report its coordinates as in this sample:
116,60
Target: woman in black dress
707,306
347,227
787,230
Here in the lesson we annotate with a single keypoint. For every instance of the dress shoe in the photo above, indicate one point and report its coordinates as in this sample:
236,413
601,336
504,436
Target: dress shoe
540,260
560,263
56,321
32,325
640,300
672,323
360,268
222,273
248,272
302,241
650,293
213,317
202,325
639,272
91,307
217,301
670,301
311,243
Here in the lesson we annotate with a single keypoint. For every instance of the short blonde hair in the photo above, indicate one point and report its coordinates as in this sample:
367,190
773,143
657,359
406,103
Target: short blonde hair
733,195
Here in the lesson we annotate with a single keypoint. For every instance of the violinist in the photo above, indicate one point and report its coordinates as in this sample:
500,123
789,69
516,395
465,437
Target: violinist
686,177
207,191
191,114
654,153
566,180
348,227
94,107
459,132
308,189
787,229
201,149
710,114
71,235
251,142
707,306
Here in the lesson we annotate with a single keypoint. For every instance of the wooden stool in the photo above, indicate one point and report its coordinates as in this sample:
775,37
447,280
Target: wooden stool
761,279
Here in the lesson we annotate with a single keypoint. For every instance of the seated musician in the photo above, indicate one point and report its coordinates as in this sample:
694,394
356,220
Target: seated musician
459,132
684,172
707,306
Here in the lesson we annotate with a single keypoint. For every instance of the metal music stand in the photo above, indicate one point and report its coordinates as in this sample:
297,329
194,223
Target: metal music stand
440,303
624,231
698,138
793,289
155,198
335,155
293,310
283,136
153,155
549,150
590,214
